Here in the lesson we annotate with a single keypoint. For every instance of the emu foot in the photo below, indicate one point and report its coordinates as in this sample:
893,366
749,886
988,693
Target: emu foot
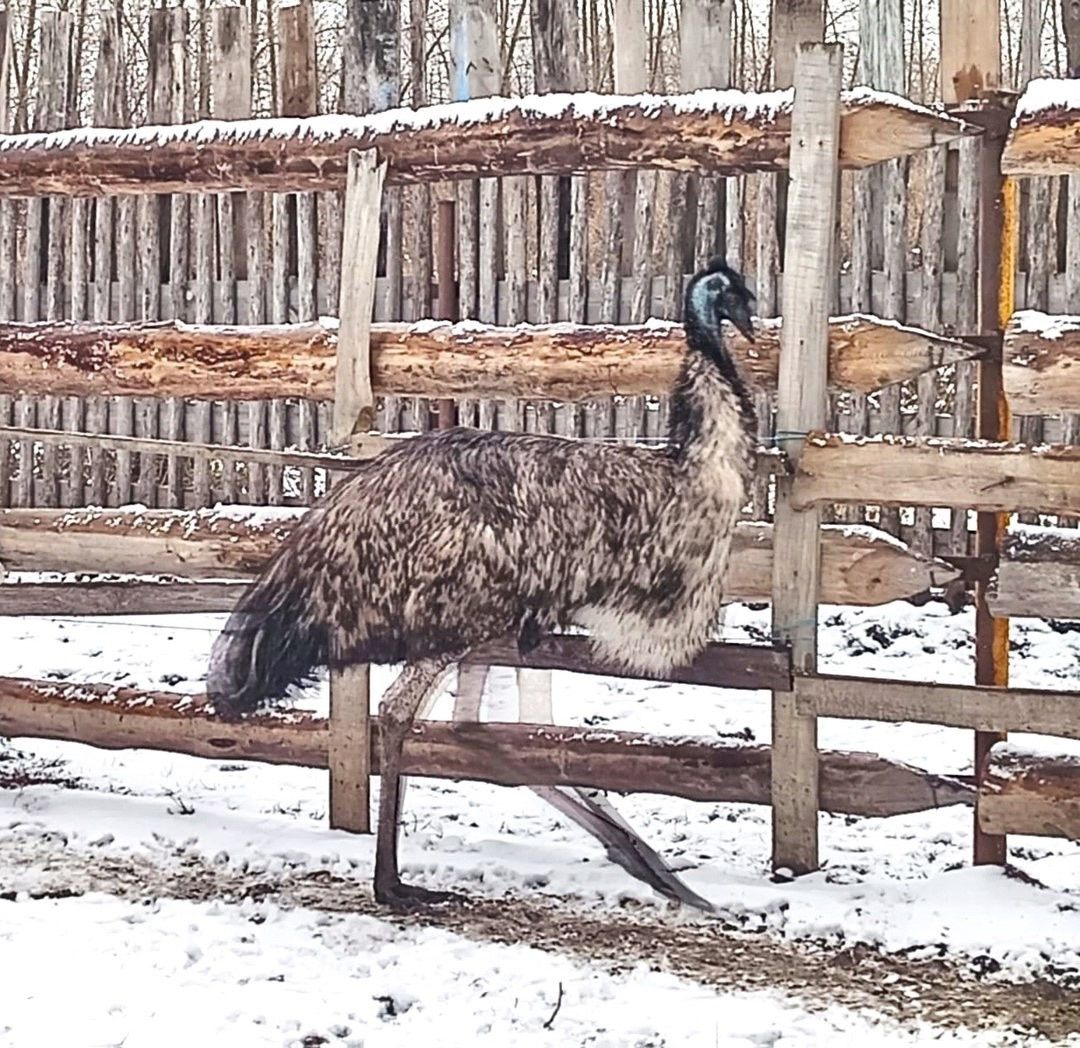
412,897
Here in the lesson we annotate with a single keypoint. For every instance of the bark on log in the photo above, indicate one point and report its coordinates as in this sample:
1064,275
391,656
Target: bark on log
504,754
558,362
1030,794
1041,368
720,132
859,565
1039,574
1044,139
979,475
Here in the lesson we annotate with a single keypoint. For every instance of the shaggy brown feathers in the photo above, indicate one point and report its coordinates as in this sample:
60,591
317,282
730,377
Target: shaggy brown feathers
458,537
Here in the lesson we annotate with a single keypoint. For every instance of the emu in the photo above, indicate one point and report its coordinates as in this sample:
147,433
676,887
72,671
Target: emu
459,537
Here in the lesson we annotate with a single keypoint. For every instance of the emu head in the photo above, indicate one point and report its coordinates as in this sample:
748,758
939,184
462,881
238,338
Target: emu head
714,294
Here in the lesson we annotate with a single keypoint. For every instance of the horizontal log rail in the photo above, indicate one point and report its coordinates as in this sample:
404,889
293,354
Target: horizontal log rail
1039,574
1041,365
859,565
562,362
135,597
1030,793
720,132
950,705
966,474
504,754
1045,134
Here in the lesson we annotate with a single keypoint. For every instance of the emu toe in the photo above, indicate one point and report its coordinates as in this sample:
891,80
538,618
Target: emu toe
403,897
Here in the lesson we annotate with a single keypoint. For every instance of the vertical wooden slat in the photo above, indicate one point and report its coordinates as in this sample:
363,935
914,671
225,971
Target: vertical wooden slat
558,67
111,100
7,251
932,258
639,189
705,61
1039,260
475,73
970,62
371,82
230,99
354,414
1070,24
46,228
801,406
300,97
416,294
169,100
998,228
1071,422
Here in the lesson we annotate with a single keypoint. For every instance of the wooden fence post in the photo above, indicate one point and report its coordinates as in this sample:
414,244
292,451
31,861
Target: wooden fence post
354,415
802,405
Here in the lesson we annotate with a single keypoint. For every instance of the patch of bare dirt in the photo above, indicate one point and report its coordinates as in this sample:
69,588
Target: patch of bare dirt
855,977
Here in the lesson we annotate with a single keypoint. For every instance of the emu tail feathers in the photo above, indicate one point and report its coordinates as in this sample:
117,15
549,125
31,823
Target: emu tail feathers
273,639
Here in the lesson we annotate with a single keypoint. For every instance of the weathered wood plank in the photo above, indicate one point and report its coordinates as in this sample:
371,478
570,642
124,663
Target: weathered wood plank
504,754
801,405
981,475
561,362
1029,793
354,400
954,706
1039,574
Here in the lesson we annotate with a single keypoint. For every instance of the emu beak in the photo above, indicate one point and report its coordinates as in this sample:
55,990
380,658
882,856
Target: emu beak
741,318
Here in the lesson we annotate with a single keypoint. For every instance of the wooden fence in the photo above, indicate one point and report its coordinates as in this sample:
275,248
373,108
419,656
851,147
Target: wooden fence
794,562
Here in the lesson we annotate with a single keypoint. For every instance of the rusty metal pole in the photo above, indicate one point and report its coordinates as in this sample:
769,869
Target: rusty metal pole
997,266
446,304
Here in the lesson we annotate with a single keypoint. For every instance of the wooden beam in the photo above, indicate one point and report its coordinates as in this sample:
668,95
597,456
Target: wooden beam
954,706
721,665
68,599
559,361
1042,363
980,475
354,399
1043,139
970,50
1030,793
722,132
859,565
1039,574
353,416
718,770
801,405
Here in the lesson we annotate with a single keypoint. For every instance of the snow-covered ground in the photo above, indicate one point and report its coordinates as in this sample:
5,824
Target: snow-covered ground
147,972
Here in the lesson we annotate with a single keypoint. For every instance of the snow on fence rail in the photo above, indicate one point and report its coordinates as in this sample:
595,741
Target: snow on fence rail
1041,368
721,132
1043,139
563,362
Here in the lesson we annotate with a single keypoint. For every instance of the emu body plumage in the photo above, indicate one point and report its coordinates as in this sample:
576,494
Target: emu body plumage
458,537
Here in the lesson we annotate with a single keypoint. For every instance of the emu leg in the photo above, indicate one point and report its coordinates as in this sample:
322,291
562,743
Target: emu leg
589,808
396,714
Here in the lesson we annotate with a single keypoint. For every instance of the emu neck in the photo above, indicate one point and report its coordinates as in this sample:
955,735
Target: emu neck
711,409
